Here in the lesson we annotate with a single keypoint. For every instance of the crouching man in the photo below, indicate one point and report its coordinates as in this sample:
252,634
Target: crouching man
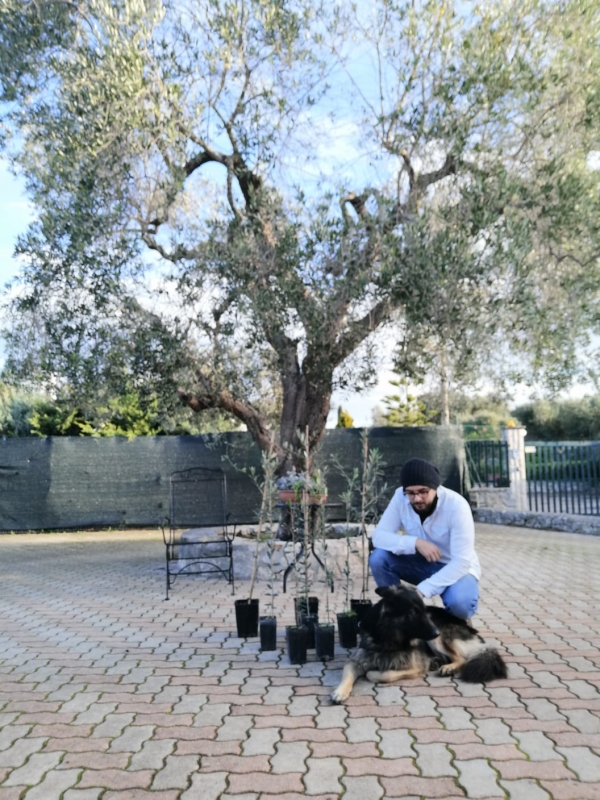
435,550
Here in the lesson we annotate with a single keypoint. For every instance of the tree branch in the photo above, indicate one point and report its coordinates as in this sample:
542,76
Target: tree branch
180,252
210,397
449,167
357,331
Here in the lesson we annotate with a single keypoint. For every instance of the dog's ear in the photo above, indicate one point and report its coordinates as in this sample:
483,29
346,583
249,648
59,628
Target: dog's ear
384,591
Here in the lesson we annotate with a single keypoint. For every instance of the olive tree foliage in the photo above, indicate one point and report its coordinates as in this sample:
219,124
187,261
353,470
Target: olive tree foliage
200,231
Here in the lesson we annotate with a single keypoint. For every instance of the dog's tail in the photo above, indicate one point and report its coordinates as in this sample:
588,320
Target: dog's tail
488,665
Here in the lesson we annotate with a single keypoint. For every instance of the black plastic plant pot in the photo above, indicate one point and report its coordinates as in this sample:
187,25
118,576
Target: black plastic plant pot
324,641
309,621
246,618
347,630
300,607
360,607
268,633
295,636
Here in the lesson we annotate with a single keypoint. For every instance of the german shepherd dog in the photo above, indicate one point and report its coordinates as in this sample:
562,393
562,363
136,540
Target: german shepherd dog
403,638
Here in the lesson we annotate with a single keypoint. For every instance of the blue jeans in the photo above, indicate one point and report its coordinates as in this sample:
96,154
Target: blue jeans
388,569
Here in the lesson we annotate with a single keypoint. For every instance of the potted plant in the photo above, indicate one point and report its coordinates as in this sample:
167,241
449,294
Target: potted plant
290,486
302,524
324,631
298,487
247,610
296,643
372,488
346,619
315,488
364,488
268,623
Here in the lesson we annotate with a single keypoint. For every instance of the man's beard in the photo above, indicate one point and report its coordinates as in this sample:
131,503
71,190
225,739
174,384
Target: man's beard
425,509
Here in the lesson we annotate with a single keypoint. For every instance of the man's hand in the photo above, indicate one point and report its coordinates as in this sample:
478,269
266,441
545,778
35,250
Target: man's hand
429,550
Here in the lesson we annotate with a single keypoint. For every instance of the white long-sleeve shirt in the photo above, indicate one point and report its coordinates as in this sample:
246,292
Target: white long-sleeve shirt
450,527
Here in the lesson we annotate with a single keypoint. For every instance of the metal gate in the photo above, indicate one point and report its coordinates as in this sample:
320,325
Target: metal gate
487,461
563,478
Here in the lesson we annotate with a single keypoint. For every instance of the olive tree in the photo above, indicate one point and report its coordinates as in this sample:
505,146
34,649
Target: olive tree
203,224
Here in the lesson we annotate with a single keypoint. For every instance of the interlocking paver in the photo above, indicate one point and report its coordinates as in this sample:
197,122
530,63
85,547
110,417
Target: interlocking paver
19,752
112,726
212,714
493,731
550,770
323,775
152,755
365,788
379,766
12,792
331,717
421,706
478,778
33,771
525,789
583,720
82,794
363,729
267,784
206,787
176,773
236,728
434,760
418,787
396,744
53,785
116,779
261,741
537,746
504,697
91,760
11,733
456,719
583,762
304,705
582,689
102,674
142,794
290,757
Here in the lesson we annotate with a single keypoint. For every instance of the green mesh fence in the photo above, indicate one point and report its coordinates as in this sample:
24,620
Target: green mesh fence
59,483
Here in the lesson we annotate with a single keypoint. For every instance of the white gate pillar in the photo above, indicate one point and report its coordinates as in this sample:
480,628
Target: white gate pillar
515,439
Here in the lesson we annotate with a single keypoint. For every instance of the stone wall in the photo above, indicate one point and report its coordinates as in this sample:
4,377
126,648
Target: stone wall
571,523
490,498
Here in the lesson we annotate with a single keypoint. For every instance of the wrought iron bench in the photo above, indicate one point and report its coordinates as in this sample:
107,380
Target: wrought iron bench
198,539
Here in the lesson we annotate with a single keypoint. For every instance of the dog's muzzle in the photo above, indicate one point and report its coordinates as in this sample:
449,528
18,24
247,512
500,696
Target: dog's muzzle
434,634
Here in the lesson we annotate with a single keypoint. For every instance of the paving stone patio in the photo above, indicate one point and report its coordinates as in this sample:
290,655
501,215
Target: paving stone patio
107,691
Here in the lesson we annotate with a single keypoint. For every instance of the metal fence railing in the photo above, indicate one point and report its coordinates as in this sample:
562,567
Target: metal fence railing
563,477
487,461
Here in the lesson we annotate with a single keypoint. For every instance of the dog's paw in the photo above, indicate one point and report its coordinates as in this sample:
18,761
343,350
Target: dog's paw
447,671
339,696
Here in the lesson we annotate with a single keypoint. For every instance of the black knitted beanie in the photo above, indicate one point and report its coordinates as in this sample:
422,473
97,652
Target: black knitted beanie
417,472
